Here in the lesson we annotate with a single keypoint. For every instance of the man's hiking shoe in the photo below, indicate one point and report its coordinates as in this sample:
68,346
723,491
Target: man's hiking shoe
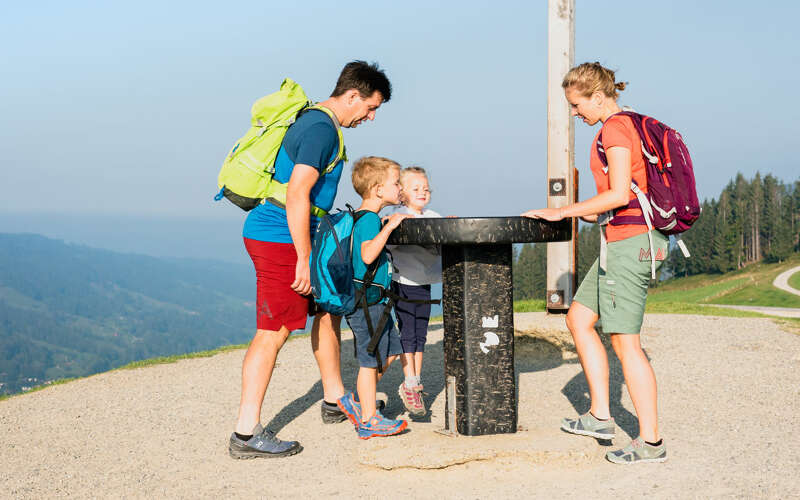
380,426
262,444
588,425
331,414
412,400
351,409
638,452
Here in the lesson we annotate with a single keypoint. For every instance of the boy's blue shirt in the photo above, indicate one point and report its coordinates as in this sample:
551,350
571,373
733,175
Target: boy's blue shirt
312,140
367,228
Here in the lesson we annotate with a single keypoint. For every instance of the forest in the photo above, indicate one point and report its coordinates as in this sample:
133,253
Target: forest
68,310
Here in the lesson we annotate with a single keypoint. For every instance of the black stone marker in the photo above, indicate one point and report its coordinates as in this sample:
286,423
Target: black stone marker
478,311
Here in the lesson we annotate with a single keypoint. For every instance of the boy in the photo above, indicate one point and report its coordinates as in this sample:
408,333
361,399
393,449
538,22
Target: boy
377,181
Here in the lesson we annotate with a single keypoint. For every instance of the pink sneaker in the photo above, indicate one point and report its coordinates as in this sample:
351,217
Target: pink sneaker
412,400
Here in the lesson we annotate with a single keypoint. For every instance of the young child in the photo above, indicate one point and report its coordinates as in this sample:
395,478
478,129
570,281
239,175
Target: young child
416,268
377,181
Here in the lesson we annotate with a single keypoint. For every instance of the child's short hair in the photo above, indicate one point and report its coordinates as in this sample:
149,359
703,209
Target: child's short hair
412,170
371,171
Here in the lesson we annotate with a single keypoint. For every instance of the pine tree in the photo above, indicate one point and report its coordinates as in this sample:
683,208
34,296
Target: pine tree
523,272
530,272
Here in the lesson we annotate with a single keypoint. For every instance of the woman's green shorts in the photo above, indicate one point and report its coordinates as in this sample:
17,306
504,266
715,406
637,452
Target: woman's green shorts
618,294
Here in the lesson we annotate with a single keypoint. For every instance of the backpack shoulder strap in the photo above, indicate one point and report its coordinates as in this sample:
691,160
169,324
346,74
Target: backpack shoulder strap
342,153
636,118
357,215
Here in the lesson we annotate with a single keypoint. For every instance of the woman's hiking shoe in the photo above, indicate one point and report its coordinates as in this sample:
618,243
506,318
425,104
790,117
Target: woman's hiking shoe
412,400
380,426
588,425
638,452
351,409
331,414
262,444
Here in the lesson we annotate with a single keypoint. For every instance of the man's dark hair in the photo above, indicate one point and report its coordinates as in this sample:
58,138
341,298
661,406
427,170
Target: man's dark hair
364,77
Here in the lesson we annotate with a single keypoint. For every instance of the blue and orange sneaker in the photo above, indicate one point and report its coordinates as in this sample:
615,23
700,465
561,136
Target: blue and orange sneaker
380,426
350,407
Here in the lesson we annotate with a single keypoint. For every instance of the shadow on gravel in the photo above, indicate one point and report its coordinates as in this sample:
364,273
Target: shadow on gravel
432,375
577,392
533,353
296,407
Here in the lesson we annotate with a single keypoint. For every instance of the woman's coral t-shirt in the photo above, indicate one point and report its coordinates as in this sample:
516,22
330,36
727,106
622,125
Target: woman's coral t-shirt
618,131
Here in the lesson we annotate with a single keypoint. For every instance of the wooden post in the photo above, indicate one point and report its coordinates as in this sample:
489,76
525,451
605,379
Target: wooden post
561,184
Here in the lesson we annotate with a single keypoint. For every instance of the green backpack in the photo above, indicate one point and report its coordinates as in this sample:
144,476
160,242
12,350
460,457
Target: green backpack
246,175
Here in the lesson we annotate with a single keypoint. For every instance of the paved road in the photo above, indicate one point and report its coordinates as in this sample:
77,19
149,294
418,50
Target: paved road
782,281
784,312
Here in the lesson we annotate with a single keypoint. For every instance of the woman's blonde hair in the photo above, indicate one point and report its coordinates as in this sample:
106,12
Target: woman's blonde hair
371,171
589,78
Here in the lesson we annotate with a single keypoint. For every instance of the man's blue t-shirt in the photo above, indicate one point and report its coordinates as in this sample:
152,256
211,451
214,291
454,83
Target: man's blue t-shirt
367,228
312,140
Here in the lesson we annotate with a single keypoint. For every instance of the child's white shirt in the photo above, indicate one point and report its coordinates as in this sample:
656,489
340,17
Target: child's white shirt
415,264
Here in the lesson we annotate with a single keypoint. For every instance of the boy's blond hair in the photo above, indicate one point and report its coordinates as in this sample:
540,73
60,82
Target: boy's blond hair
371,171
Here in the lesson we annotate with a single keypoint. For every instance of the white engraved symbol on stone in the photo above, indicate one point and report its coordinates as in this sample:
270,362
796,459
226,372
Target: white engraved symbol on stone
491,340
490,321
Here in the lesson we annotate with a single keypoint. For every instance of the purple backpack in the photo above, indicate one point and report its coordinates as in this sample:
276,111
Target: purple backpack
671,202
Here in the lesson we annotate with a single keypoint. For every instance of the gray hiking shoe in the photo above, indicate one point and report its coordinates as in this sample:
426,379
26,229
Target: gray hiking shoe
638,452
331,414
262,444
588,425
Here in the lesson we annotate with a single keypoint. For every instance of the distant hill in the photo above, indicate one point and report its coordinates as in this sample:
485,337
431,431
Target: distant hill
68,310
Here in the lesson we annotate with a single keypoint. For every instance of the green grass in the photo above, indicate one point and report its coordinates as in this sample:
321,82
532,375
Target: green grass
161,360
750,286
140,364
700,293
794,281
529,305
698,309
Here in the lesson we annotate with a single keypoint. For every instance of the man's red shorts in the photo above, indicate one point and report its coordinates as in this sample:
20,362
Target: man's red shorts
277,304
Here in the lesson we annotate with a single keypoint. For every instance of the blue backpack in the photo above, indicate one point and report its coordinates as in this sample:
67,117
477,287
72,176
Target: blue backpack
333,278
331,263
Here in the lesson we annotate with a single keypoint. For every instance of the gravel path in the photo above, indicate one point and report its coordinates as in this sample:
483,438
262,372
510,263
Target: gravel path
729,396
782,281
784,312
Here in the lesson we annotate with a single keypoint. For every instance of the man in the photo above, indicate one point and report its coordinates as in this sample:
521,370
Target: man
278,239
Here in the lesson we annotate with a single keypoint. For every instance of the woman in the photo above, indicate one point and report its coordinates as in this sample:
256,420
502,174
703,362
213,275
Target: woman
613,291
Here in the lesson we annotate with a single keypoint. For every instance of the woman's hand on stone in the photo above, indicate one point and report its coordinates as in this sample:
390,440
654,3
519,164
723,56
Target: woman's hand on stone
551,214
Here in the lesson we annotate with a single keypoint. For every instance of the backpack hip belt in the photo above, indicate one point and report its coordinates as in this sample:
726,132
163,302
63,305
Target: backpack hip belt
376,333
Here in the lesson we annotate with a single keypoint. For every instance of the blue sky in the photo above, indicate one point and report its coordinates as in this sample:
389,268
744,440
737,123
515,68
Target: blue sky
129,108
